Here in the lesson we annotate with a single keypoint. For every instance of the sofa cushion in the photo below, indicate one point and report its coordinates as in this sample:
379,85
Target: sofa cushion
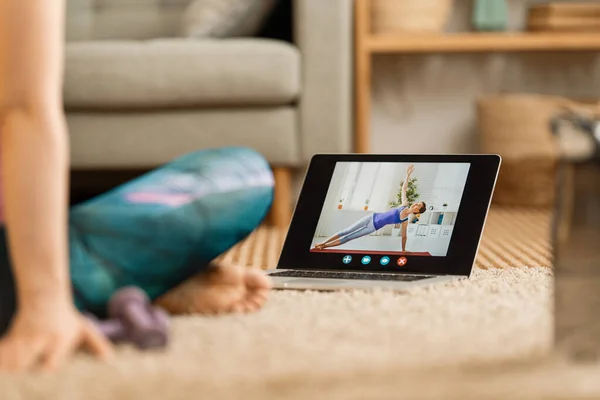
225,18
144,138
180,73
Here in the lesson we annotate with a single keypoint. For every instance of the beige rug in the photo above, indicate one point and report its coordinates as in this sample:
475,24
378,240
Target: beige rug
486,338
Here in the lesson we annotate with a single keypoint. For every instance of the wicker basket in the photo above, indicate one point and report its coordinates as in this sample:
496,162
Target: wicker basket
414,16
518,128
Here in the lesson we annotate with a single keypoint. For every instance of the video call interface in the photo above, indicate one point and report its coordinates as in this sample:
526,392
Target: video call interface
382,212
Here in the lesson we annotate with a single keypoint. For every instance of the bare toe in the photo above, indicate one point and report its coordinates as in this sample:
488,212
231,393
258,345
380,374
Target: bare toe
237,308
256,279
261,295
256,302
256,299
258,288
247,308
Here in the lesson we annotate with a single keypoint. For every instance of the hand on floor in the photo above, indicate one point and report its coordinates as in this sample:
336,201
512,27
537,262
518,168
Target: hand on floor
221,289
48,336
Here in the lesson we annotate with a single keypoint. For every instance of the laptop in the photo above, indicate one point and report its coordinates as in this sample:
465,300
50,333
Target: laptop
386,221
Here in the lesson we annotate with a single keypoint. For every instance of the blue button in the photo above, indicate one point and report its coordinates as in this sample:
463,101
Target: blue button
385,260
347,259
365,260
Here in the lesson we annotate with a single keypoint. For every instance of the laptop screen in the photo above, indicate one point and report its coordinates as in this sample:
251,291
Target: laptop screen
396,213
389,209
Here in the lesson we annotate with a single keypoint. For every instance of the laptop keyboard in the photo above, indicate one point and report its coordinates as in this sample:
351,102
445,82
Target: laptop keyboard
350,275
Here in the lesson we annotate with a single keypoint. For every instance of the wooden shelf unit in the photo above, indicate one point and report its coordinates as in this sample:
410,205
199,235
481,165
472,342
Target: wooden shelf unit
368,45
483,42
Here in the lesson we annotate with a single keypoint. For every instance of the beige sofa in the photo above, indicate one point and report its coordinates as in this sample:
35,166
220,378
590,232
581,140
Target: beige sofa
138,94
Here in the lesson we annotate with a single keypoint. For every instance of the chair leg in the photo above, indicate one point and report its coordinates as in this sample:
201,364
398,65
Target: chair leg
281,210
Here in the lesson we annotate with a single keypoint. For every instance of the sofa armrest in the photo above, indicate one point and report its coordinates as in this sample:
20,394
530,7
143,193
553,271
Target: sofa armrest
323,31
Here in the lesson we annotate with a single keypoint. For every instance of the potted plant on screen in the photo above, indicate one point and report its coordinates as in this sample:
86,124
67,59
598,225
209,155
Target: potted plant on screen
412,195
367,201
340,204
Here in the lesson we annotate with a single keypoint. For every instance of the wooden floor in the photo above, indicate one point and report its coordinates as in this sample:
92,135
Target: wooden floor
513,237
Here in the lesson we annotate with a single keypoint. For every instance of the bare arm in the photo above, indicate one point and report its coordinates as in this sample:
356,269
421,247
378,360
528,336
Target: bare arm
34,152
34,162
405,185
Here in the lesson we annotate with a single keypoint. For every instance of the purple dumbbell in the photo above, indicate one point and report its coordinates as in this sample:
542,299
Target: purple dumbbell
133,319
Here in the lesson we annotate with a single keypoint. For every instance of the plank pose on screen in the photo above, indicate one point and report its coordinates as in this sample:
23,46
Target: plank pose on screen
376,221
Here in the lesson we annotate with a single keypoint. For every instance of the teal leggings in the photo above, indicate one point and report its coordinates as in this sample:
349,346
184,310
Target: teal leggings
160,229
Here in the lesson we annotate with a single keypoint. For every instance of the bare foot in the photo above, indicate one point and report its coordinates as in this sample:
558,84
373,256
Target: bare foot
221,289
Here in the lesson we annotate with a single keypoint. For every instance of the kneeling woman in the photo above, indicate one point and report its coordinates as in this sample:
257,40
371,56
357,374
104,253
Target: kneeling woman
374,222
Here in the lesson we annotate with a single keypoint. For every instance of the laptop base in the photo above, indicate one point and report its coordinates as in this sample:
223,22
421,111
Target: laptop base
362,281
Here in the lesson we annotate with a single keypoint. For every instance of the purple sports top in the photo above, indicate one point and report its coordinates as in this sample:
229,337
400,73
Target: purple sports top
390,217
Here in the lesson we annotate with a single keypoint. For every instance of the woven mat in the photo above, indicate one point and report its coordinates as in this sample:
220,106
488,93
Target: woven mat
513,237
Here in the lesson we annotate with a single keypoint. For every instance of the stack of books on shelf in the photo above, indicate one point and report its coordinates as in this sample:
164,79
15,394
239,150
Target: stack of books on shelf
565,17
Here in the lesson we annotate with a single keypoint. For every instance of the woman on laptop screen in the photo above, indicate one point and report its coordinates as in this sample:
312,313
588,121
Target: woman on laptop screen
375,221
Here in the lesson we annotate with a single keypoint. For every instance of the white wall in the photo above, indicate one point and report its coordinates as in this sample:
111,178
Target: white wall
332,198
385,187
448,187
